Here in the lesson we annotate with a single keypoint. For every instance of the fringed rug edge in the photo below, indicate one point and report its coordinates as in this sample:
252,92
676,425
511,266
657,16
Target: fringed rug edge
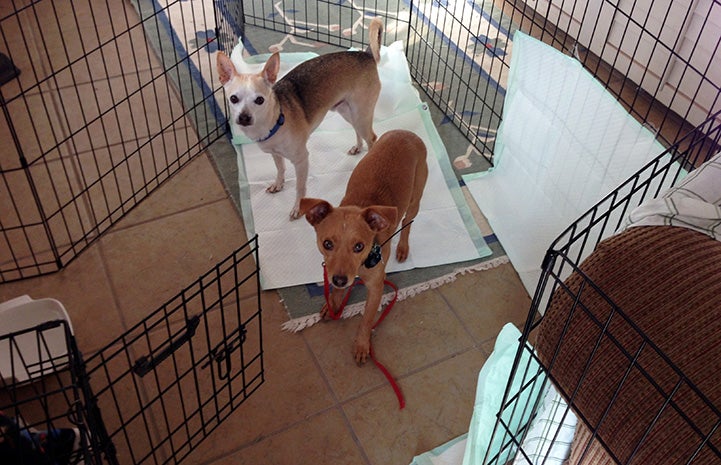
298,324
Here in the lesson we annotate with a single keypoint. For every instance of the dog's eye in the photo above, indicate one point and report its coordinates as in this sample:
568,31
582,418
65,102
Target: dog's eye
358,247
234,99
259,101
327,244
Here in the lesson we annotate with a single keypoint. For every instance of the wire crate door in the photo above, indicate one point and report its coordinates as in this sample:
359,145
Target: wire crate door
168,382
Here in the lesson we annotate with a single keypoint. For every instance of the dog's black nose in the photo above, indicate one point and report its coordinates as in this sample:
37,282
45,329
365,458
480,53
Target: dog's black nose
244,119
340,281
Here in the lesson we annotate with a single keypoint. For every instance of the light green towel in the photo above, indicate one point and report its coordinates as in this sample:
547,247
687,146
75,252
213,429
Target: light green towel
492,381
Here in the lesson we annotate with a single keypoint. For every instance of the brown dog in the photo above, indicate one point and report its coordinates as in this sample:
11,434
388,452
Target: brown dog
281,115
386,186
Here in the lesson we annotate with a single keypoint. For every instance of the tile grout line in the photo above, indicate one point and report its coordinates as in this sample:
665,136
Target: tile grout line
119,228
111,285
478,344
264,437
337,404
103,259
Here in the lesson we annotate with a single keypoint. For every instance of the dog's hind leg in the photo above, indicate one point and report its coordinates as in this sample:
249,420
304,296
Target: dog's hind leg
419,183
363,125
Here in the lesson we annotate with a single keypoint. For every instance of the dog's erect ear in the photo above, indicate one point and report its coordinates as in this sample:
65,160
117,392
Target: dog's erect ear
315,210
380,217
271,68
226,68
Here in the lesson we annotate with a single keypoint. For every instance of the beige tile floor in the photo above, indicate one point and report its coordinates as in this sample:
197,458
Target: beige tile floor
316,405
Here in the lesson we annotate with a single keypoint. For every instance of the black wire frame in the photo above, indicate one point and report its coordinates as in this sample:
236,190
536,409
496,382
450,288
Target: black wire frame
309,19
657,58
107,106
154,393
168,382
564,257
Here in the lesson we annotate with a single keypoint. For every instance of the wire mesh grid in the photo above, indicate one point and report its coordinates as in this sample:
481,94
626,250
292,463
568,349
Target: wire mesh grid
329,22
102,111
674,394
169,381
150,396
657,58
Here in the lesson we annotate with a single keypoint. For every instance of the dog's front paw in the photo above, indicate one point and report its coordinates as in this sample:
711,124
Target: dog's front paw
295,213
355,150
401,252
361,349
275,187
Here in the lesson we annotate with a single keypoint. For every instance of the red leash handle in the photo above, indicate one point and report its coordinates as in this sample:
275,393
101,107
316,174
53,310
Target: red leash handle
335,316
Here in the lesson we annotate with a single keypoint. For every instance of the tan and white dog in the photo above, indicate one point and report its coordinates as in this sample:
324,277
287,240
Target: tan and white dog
280,115
385,187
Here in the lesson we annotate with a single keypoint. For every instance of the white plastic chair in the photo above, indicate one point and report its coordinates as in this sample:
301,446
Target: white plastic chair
28,356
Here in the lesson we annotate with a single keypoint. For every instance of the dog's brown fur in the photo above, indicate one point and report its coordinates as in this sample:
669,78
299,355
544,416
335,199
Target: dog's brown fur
386,186
346,82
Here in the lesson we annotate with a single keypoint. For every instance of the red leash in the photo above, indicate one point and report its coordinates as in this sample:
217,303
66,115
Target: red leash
335,316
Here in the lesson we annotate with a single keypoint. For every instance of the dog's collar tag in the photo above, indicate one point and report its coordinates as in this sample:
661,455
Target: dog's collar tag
374,257
278,124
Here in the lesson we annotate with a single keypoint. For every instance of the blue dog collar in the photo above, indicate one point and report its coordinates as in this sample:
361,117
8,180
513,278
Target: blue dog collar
278,124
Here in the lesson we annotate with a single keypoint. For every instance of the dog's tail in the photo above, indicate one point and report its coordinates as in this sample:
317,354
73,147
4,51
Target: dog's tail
375,35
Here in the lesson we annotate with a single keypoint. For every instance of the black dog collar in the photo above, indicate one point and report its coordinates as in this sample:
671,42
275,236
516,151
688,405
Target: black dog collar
278,124
374,257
